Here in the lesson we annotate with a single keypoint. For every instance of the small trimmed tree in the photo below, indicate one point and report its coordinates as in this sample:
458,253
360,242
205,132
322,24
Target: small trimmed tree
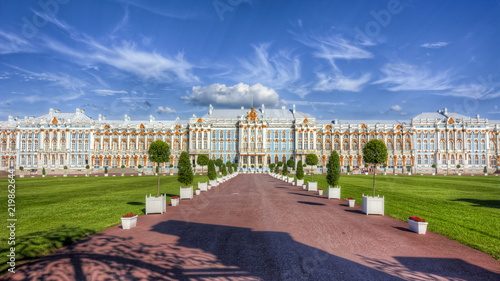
229,167
312,160
159,152
290,163
300,170
277,169
223,169
219,162
212,175
106,169
271,167
485,170
43,171
235,167
185,170
375,152
285,170
333,169
202,161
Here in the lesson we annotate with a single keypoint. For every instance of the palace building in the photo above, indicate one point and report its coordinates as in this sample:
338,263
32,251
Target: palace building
430,142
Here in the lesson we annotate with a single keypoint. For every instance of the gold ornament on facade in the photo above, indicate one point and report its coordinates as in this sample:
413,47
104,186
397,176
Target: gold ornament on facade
252,115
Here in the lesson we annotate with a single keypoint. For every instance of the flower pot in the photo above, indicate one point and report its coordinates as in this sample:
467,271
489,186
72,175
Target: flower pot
198,192
320,192
128,223
350,202
304,186
417,226
373,205
186,193
174,202
333,192
312,186
156,204
300,182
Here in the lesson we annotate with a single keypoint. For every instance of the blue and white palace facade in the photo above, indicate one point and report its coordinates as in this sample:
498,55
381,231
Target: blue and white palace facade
429,142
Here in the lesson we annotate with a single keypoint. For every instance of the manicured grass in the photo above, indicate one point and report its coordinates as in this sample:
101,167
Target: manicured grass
52,212
463,208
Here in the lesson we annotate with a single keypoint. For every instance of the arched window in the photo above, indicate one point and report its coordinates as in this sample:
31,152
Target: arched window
346,145
390,146
336,145
354,145
408,145
398,145
419,160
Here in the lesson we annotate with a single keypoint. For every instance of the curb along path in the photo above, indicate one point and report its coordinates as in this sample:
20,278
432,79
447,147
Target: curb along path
255,227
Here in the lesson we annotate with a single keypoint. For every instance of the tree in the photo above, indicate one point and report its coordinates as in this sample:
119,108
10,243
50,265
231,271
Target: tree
290,163
159,152
202,161
277,169
271,167
219,162
106,169
285,170
280,164
300,170
333,169
212,175
229,167
375,152
43,171
312,160
185,170
235,167
223,169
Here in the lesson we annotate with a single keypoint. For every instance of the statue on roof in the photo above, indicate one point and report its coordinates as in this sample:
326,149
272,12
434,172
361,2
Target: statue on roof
252,115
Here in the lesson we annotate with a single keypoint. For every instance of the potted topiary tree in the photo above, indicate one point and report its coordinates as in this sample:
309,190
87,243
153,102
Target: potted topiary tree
87,167
300,174
218,163
485,170
333,176
65,171
408,169
44,173
271,167
140,170
374,152
312,160
235,167
348,170
185,176
159,152
105,171
435,170
229,167
366,169
171,166
458,170
290,163
212,175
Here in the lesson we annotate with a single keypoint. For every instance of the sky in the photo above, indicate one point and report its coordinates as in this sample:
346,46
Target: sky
387,59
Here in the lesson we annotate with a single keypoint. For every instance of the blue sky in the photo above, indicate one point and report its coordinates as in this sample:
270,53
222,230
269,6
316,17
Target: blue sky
334,59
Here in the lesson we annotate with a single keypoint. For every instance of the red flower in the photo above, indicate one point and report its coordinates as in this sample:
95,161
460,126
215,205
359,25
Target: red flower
175,197
350,198
129,215
413,218
320,188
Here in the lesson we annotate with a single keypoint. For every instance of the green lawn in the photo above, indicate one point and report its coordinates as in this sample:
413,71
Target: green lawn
463,208
53,212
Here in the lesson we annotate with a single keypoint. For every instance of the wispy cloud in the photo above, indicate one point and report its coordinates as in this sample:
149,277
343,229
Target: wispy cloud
396,108
279,70
105,92
232,96
125,56
435,45
406,77
333,48
12,43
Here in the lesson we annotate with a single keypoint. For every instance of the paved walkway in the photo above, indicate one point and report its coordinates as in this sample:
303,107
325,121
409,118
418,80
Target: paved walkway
255,227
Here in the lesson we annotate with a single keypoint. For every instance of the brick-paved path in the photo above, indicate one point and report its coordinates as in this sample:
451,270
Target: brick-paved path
255,227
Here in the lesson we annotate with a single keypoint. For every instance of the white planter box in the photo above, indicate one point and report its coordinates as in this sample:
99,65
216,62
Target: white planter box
128,223
418,227
156,204
175,202
351,202
290,179
320,192
366,174
300,182
373,205
203,186
213,183
333,192
186,193
312,186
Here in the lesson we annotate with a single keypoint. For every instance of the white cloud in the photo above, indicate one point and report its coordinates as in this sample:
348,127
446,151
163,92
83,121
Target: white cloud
232,96
167,110
396,108
435,45
340,83
405,77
